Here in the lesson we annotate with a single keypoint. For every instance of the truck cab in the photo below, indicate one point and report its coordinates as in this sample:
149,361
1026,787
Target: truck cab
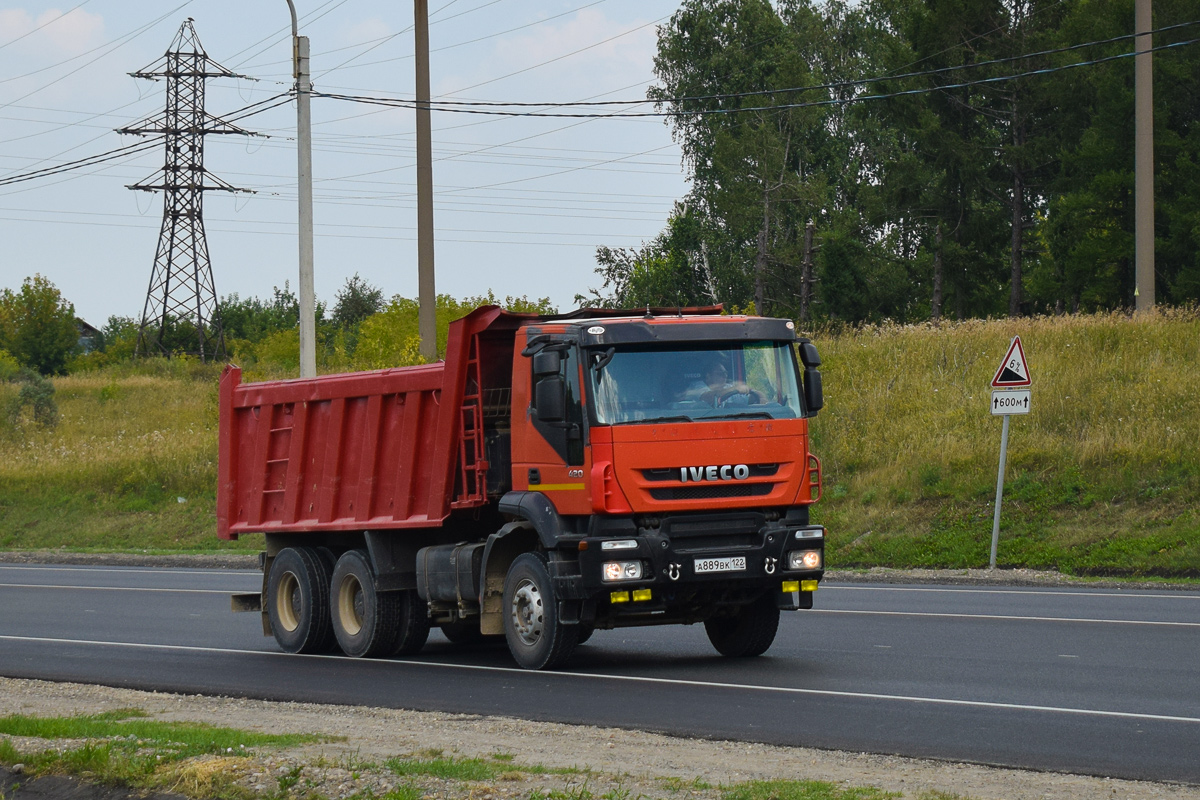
666,457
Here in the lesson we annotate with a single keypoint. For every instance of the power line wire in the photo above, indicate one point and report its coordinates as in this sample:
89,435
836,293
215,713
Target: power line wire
116,43
132,149
464,107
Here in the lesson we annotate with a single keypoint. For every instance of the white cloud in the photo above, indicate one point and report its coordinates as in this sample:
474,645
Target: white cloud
74,32
66,34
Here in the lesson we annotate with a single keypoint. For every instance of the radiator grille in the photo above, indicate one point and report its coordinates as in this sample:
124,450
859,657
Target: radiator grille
713,492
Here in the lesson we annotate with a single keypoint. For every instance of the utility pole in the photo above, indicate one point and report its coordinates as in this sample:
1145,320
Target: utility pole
181,283
1143,192
308,301
806,277
426,319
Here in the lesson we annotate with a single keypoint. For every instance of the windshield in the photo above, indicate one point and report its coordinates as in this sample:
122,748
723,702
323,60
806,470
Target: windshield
713,380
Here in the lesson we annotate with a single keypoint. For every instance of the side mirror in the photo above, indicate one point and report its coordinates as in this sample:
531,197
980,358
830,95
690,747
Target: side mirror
550,397
547,362
808,354
814,397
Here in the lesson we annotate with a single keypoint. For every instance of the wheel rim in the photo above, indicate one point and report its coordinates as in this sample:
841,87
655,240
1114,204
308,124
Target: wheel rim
287,602
527,613
350,605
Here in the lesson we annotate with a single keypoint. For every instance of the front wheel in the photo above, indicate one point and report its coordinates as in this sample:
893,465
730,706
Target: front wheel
749,632
536,636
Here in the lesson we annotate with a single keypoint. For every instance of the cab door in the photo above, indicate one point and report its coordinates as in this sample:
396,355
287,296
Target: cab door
549,427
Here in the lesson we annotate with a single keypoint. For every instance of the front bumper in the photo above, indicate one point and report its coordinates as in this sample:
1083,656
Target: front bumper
673,555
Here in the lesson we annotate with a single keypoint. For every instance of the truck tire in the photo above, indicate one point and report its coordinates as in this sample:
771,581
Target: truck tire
298,601
536,637
747,633
413,628
368,623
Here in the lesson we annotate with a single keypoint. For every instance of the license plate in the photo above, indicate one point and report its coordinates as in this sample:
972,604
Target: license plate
731,564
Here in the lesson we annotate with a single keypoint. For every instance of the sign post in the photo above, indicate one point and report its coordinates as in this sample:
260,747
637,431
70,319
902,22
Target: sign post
1007,400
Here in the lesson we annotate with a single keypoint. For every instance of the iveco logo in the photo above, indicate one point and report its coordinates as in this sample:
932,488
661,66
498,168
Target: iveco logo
727,472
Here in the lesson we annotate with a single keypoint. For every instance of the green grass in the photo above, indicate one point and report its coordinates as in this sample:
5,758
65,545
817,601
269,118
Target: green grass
461,769
467,769
184,739
801,790
125,749
1101,481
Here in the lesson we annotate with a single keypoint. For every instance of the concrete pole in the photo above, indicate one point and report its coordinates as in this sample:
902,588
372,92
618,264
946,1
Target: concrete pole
1143,83
426,319
308,303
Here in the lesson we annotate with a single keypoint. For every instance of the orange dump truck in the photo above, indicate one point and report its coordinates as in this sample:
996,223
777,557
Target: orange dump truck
553,475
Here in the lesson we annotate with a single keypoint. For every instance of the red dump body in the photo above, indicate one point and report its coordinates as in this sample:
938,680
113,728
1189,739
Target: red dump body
393,448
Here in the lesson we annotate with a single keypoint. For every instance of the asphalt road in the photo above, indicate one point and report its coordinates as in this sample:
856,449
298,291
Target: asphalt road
1100,682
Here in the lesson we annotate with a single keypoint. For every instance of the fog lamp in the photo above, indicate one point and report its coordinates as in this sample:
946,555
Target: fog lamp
622,571
804,559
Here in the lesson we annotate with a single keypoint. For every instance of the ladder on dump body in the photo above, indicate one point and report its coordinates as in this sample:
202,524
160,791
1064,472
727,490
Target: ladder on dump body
472,462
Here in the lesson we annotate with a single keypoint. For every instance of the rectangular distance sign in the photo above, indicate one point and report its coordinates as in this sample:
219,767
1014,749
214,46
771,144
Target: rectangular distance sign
1010,401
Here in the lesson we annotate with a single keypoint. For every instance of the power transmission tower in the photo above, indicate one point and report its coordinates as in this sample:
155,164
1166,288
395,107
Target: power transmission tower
182,292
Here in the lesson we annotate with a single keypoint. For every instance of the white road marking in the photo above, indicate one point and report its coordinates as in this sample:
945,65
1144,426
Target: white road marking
785,690
142,570
114,588
1125,593
1002,616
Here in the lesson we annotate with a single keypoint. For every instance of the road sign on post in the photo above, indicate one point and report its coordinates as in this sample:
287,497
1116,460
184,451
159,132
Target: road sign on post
1013,372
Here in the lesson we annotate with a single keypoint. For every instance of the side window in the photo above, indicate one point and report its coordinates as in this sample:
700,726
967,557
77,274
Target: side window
761,371
565,437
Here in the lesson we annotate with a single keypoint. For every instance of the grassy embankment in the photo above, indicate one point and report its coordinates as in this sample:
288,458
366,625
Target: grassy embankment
1103,474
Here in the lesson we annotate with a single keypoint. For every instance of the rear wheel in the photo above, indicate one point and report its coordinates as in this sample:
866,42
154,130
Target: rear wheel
749,632
369,623
536,636
298,601
413,627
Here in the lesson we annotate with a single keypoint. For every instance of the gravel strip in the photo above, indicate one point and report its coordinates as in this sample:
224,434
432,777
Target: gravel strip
646,765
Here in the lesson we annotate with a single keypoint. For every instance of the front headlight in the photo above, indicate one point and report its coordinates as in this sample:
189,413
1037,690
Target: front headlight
804,559
622,571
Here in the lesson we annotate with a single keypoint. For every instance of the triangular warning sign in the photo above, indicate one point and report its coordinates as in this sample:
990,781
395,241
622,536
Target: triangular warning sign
1014,371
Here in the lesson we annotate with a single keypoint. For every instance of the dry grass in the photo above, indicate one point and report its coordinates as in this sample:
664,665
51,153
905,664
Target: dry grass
1112,443
130,465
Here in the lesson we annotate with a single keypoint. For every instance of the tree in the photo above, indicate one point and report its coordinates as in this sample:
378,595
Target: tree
753,169
673,269
253,319
37,326
356,301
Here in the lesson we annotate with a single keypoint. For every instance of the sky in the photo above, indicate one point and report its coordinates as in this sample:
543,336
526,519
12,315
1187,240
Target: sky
520,204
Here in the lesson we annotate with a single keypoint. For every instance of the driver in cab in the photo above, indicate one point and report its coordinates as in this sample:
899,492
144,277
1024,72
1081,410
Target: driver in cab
718,391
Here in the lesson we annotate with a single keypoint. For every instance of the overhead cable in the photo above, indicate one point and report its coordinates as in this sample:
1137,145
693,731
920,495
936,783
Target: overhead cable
487,109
